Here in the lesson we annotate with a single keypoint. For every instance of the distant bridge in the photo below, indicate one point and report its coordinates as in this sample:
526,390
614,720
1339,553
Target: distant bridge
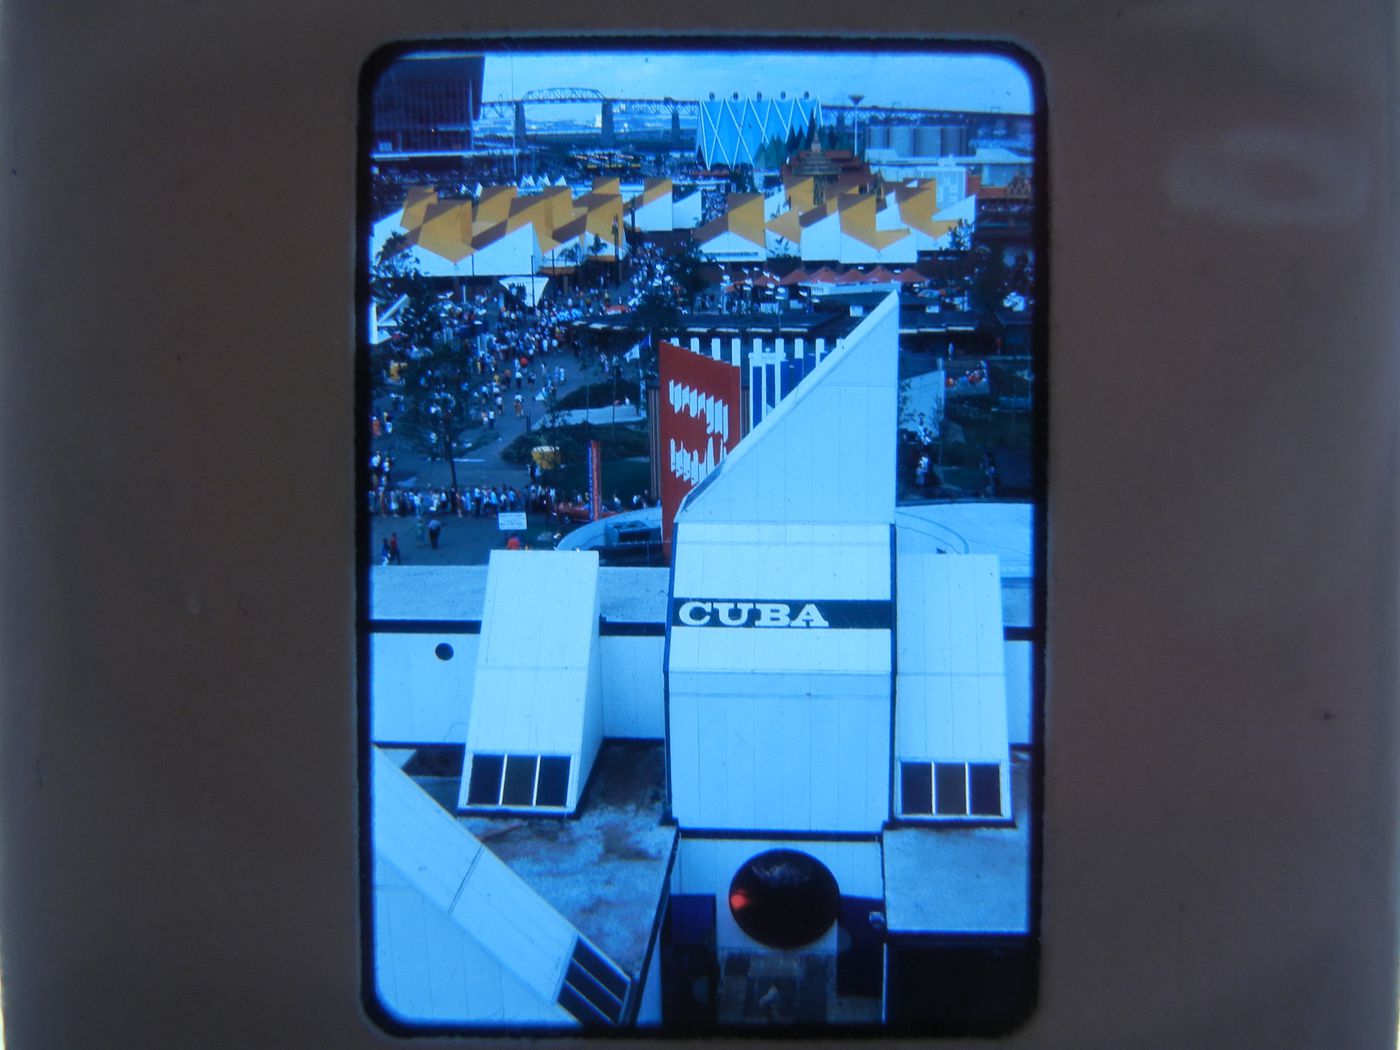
676,109
691,107
576,95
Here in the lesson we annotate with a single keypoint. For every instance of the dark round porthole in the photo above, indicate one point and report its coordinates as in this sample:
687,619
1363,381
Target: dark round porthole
443,651
784,898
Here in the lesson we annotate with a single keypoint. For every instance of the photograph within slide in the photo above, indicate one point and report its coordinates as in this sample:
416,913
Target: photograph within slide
701,425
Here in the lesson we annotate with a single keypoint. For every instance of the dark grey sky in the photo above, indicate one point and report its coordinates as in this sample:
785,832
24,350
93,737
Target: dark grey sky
974,82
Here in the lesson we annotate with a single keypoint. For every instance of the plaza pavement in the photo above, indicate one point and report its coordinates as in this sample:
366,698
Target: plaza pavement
469,540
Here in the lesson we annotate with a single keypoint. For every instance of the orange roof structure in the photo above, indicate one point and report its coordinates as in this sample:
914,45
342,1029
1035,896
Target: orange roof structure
787,224
800,191
858,221
918,205
455,229
652,190
445,230
743,217
416,203
494,205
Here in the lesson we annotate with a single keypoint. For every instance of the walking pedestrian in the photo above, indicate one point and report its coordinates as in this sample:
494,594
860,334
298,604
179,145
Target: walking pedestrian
394,557
434,531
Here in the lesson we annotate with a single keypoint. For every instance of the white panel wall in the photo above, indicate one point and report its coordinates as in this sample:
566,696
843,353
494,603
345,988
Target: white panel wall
827,452
854,251
537,687
1018,601
774,560
428,969
633,704
524,710
950,615
951,185
415,698
592,725
814,654
515,253
419,699
951,689
951,718
416,843
821,241
655,217
685,212
709,865
730,247
781,762
1019,725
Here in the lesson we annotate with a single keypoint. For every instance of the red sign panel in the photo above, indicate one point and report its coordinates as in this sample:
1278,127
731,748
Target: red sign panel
699,422
595,481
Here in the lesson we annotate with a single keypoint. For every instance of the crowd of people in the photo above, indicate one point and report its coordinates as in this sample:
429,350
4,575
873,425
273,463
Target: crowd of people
479,501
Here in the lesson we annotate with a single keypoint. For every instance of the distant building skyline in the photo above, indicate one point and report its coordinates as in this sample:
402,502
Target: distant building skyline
971,82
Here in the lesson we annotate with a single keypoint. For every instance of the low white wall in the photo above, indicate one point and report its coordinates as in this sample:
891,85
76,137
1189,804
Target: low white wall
1019,725
633,705
416,698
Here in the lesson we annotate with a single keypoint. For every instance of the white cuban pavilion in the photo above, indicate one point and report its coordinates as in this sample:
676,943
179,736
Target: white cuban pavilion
784,782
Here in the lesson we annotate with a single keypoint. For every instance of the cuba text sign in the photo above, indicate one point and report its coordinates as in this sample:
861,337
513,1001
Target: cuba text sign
766,613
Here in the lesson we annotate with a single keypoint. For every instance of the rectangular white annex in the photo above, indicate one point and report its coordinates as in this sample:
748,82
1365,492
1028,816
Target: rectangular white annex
951,739
779,675
536,717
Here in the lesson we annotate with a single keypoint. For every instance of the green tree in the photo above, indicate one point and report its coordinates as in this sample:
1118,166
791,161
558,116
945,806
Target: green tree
687,269
435,378
990,281
958,240
396,278
437,410
656,315
1022,276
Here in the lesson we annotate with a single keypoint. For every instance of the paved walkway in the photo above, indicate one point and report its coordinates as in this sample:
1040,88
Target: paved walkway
469,540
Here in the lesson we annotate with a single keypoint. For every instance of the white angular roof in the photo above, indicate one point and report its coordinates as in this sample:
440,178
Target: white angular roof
539,626
826,454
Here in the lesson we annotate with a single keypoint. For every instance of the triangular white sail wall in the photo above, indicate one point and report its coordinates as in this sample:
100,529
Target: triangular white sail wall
826,454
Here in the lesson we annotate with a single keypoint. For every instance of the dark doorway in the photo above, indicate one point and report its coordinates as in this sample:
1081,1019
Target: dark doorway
982,985
860,942
689,964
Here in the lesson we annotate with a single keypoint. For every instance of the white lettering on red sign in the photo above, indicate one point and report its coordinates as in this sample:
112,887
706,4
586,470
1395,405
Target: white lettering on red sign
692,464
